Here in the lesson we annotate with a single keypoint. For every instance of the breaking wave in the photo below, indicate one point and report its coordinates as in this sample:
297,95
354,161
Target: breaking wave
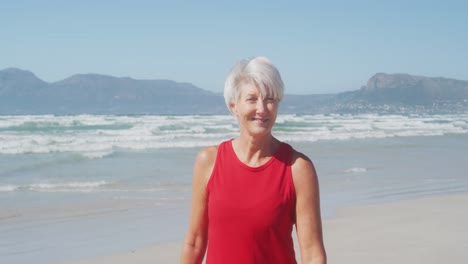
97,136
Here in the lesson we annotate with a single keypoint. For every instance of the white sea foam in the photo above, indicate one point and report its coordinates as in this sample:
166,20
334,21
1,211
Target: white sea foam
8,188
96,186
356,170
64,187
99,136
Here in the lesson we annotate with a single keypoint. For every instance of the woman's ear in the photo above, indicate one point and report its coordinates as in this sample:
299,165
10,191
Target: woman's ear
233,108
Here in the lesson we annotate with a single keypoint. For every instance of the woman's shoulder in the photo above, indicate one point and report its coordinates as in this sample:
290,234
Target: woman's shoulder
301,165
304,175
207,155
204,164
299,158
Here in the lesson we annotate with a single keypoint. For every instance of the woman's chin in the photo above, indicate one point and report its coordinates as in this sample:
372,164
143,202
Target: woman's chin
259,131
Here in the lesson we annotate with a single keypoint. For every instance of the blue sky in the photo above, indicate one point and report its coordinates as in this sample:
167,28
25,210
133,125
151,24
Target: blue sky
318,46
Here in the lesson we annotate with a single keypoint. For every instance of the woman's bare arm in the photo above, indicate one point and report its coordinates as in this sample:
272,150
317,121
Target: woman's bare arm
308,219
194,246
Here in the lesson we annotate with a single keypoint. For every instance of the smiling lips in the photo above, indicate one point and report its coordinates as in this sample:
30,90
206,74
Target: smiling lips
260,119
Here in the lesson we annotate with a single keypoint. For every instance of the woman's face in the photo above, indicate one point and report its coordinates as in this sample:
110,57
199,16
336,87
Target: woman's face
256,114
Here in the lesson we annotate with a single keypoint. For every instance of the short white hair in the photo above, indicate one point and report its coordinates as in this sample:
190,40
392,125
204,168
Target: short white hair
259,71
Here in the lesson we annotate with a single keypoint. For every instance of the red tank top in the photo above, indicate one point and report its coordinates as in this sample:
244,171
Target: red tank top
251,211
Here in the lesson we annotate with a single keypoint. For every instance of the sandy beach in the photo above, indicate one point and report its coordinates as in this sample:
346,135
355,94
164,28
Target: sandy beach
424,230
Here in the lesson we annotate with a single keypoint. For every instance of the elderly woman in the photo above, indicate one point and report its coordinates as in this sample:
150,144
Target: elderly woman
249,191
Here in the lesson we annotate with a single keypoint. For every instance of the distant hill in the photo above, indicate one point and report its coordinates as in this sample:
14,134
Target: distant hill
400,92
413,89
21,92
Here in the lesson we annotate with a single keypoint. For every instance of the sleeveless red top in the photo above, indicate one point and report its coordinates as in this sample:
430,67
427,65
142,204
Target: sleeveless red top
251,211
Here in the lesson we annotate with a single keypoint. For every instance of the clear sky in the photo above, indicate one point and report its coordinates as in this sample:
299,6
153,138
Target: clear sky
318,46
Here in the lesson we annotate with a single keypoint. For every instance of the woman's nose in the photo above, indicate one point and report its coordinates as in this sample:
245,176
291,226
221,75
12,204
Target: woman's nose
260,106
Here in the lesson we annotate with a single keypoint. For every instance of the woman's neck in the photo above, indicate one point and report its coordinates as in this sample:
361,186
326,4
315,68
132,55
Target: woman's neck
255,151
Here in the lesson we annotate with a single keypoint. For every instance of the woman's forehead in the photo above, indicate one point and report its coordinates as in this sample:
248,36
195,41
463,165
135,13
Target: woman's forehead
248,88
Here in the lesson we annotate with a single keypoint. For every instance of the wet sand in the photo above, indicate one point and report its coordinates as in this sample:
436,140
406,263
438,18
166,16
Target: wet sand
424,230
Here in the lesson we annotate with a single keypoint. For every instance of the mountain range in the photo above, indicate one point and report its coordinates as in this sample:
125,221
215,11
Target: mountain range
22,92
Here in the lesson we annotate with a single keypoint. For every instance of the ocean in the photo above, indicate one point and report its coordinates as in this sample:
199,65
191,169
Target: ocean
75,187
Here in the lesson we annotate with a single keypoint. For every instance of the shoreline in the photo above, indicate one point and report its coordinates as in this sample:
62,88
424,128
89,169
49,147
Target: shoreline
421,230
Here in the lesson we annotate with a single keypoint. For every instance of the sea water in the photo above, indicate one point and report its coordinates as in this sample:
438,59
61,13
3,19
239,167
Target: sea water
73,187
